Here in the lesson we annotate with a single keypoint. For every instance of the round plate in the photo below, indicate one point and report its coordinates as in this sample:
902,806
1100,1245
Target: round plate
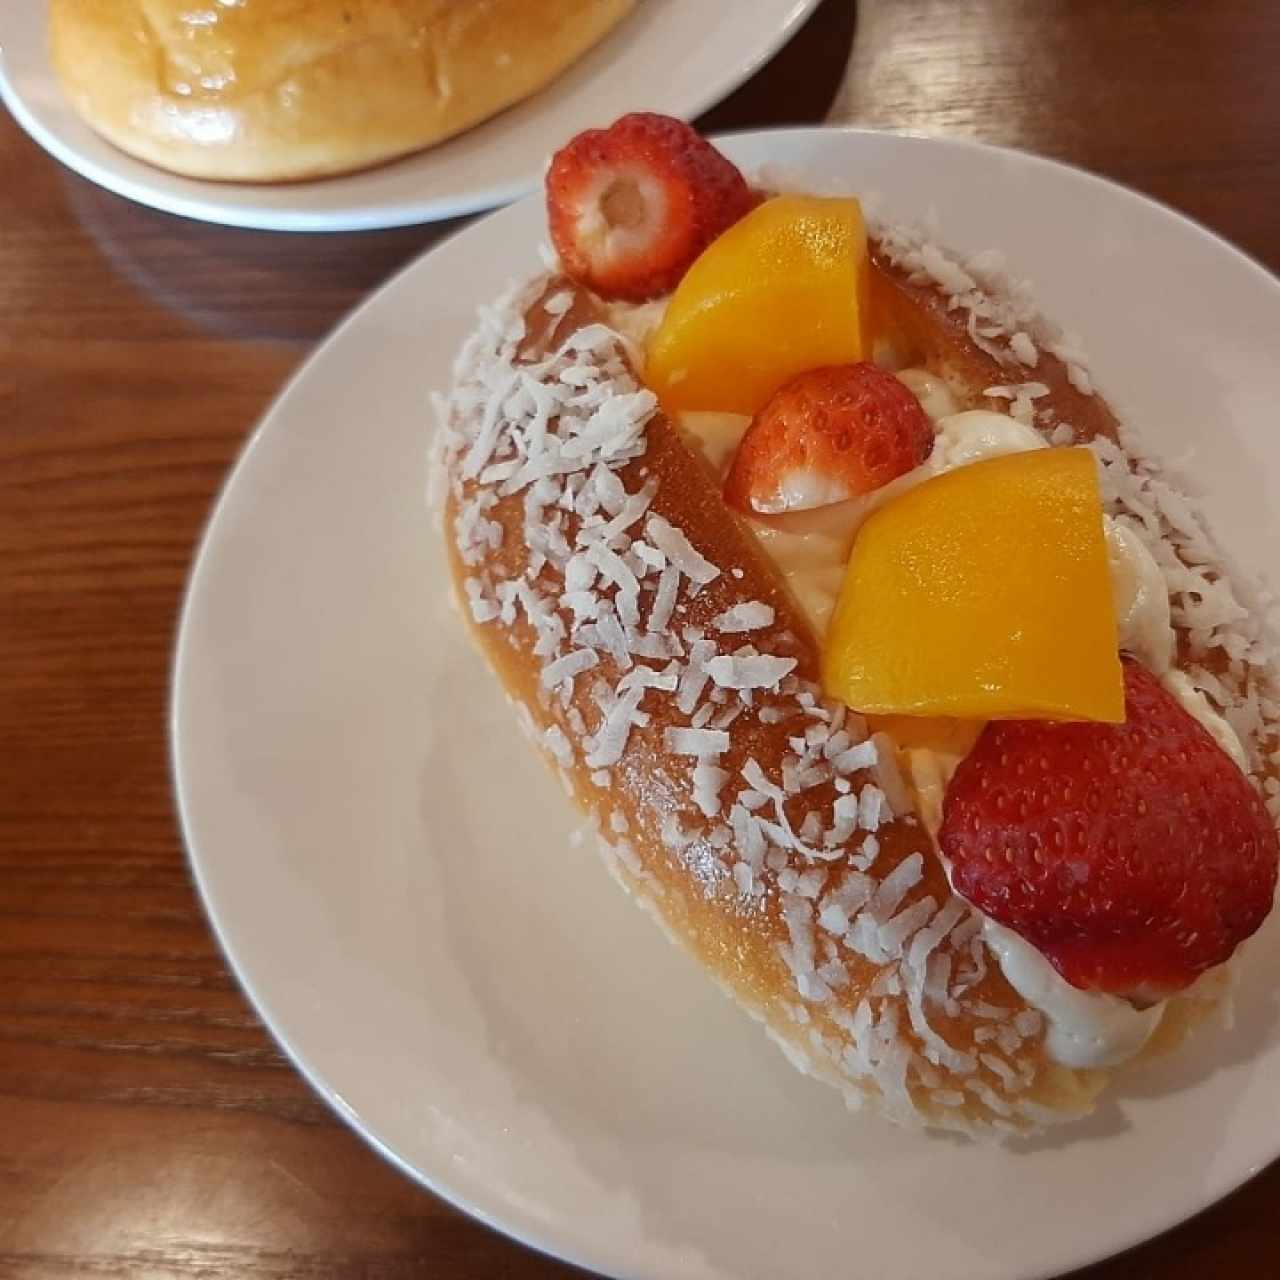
675,56
390,869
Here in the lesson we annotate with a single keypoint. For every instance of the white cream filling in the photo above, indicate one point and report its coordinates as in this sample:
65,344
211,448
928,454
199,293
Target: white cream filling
812,547
935,396
1178,683
961,438
1145,630
1142,599
1085,1029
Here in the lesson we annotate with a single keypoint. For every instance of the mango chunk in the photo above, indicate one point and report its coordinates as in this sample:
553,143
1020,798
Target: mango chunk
983,593
781,291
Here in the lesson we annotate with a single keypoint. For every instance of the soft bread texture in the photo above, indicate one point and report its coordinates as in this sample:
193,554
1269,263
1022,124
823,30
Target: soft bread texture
860,1035
929,332
923,1025
276,90
925,332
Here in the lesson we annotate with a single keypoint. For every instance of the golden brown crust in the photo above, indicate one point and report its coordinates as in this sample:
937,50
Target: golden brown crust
649,782
275,90
925,333
864,1009
741,941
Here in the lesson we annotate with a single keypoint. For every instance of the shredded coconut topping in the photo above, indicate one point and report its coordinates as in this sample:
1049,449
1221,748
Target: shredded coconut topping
751,616
602,593
1226,624
697,742
1001,315
753,672
680,551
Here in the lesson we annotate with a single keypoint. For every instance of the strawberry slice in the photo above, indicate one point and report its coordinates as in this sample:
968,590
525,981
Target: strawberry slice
631,206
1133,856
826,436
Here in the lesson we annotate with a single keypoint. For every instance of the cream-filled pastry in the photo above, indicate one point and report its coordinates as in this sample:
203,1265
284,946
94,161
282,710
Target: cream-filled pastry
888,683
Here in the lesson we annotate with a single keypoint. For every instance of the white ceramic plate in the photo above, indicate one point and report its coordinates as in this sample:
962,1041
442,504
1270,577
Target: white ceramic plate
675,56
390,871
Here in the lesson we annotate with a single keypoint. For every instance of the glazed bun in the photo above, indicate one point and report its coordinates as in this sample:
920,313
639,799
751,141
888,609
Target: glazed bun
274,90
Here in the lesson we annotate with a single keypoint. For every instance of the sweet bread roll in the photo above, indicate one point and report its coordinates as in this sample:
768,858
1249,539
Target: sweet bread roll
274,90
669,671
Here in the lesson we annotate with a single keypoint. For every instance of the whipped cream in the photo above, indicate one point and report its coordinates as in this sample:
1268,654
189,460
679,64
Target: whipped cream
935,396
1145,630
1085,1029
975,435
1143,625
812,547
1178,683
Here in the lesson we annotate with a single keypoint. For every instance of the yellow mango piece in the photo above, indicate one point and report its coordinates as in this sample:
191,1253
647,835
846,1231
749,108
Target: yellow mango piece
983,593
781,291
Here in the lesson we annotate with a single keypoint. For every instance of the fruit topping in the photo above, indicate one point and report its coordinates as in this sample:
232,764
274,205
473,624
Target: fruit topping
983,593
781,291
631,206
828,435
1133,856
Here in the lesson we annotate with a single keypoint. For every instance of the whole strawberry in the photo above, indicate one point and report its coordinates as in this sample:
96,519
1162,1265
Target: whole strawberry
1133,856
631,206
827,435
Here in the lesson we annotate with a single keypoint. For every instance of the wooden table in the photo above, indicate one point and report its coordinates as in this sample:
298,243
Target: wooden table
148,1125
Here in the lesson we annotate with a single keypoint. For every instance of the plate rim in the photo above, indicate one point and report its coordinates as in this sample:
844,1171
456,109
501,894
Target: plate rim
364,217
313,1074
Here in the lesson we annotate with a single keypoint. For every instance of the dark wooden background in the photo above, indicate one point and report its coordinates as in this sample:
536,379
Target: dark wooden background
148,1125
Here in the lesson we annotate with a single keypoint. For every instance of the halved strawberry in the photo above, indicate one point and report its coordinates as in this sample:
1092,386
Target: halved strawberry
1133,856
828,435
631,206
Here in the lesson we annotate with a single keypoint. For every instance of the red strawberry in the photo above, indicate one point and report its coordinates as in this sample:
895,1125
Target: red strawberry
828,435
631,206
1133,856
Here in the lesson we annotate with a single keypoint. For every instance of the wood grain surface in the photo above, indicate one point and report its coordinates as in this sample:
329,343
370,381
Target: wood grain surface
148,1125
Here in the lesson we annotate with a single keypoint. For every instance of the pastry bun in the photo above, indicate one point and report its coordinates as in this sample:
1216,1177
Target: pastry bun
666,817
269,91
658,660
